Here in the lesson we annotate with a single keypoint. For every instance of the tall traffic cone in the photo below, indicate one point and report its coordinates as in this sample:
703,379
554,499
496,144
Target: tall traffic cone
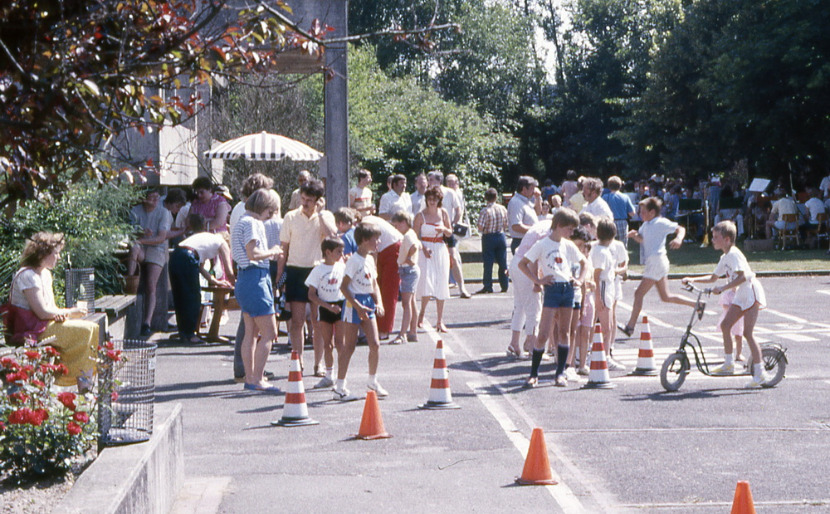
440,395
537,466
371,426
599,378
742,504
295,411
645,357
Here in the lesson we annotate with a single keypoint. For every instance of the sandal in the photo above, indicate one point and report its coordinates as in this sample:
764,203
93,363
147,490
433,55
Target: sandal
398,340
531,383
512,352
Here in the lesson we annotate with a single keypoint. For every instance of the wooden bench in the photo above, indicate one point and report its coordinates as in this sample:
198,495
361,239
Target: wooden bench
122,315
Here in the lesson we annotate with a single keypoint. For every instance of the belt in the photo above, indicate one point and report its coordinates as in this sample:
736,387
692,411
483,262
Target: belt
432,239
191,250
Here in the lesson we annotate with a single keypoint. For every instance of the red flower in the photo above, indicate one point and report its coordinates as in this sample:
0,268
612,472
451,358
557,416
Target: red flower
20,376
81,417
48,350
38,383
114,355
19,397
20,416
9,363
73,428
32,354
114,396
38,416
2,426
109,346
67,399
61,370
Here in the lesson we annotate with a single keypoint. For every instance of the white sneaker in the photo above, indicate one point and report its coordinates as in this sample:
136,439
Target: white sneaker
378,389
570,374
756,382
324,383
724,369
343,395
614,365
584,371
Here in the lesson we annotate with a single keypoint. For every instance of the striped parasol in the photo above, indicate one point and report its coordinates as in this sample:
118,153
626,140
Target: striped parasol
264,147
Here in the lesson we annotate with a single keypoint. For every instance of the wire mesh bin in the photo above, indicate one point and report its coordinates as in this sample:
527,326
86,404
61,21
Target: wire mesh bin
80,287
127,416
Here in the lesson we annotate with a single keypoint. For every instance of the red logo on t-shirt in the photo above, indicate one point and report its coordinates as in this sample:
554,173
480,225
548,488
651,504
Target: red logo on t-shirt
558,260
332,281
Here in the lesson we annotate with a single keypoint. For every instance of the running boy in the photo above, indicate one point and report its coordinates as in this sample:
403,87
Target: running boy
327,301
363,302
652,237
605,271
409,273
554,258
749,299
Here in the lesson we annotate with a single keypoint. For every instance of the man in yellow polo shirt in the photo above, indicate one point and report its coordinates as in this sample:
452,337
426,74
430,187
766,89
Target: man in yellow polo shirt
303,229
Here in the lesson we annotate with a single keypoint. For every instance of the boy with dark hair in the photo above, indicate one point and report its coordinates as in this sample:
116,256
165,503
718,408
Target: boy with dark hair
363,302
345,218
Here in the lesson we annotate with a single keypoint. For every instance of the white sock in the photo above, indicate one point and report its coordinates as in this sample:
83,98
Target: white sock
341,384
728,359
373,379
757,371
329,372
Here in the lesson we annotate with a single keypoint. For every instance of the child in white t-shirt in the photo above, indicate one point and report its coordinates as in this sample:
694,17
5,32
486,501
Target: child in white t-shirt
409,272
550,263
605,271
748,301
363,302
582,320
652,237
327,301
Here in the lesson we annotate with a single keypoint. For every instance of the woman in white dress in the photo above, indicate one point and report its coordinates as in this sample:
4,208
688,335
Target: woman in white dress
433,224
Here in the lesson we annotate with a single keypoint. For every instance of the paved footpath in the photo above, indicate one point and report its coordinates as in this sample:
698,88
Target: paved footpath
634,448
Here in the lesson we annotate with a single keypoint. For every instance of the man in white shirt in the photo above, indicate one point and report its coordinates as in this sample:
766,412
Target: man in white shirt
453,208
521,213
417,198
594,204
785,205
396,199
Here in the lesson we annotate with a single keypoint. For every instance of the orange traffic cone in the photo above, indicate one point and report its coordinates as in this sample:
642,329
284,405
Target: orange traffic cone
295,411
742,504
537,466
371,426
645,357
599,378
440,395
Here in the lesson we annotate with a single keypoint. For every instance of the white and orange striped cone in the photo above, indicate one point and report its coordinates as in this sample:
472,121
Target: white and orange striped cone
598,378
295,411
440,395
645,357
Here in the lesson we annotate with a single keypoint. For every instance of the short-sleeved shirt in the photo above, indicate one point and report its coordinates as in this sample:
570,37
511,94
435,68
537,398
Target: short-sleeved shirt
520,211
620,254
327,279
349,244
248,229
362,272
208,210
303,234
493,219
207,245
654,233
555,258
237,212
599,209
389,235
28,278
391,203
410,239
602,259
620,204
815,207
539,230
417,200
450,203
157,220
273,227
360,196
733,262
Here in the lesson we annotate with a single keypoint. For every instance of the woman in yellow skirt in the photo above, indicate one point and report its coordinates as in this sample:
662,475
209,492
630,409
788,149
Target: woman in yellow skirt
75,339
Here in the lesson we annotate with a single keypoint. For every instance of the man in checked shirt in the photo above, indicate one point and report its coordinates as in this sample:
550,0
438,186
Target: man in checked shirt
492,223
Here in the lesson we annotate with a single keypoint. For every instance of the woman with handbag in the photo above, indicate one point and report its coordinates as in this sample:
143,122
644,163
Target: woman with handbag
33,313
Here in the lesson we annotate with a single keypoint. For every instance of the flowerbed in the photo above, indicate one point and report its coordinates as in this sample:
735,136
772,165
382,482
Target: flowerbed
45,429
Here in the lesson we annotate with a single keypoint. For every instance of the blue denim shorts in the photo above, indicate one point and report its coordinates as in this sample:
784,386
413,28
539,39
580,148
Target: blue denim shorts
409,278
349,314
558,295
254,292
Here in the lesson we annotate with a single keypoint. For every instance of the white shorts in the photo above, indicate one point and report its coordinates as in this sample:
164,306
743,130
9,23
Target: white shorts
657,267
607,294
748,293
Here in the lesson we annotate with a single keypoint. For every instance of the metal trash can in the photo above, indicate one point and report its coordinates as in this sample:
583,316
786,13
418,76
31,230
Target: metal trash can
129,417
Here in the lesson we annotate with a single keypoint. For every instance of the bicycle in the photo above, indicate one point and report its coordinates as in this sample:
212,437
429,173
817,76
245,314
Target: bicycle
677,365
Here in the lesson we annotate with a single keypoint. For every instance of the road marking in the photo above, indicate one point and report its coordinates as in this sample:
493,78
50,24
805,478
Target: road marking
725,505
787,316
823,291
798,338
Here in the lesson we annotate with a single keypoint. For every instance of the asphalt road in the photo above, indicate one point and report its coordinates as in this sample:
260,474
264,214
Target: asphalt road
634,448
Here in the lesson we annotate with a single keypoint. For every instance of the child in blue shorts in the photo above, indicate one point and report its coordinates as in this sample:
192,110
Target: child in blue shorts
553,258
363,302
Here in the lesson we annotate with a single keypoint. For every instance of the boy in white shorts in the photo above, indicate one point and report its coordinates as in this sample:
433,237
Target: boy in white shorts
327,301
620,253
749,299
605,270
363,303
652,237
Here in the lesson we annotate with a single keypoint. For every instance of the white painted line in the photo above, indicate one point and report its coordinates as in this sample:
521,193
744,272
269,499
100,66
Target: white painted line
786,316
561,493
823,291
798,338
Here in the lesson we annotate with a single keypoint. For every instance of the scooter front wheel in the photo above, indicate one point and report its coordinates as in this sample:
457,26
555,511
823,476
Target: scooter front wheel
674,371
775,365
